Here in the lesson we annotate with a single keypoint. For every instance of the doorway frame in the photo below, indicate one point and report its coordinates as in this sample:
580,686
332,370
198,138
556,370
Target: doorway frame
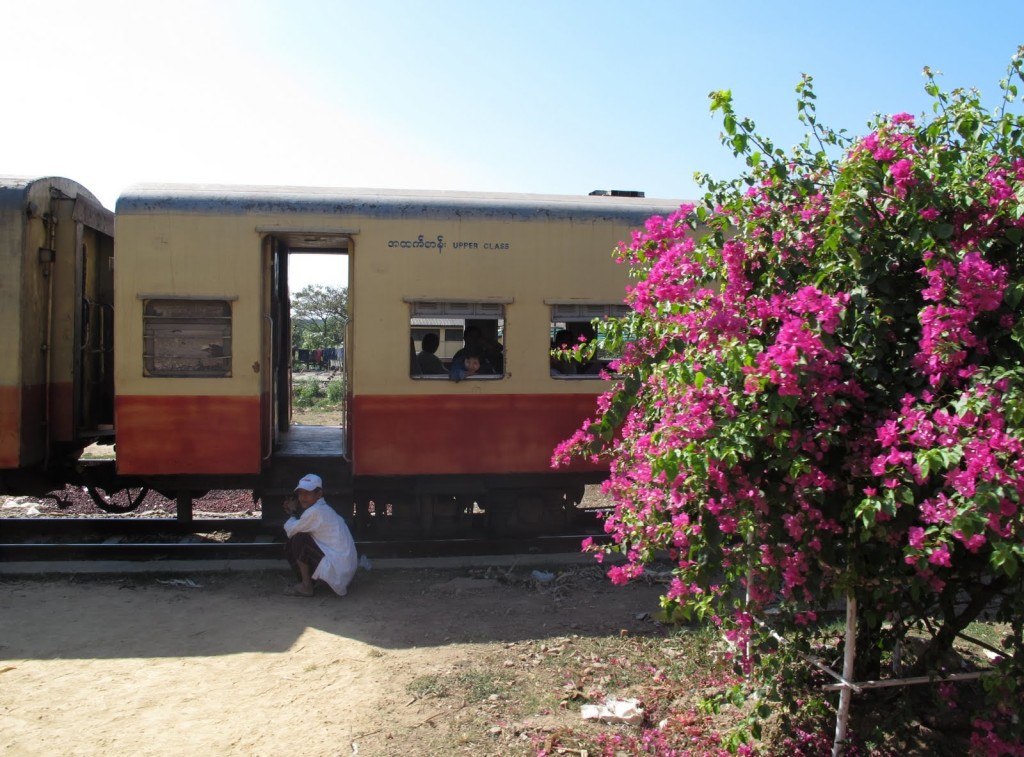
283,242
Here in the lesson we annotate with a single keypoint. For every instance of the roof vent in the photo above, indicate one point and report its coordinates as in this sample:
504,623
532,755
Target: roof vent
616,193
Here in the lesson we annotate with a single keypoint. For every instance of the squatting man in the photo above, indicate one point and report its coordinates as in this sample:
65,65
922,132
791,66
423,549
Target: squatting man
320,546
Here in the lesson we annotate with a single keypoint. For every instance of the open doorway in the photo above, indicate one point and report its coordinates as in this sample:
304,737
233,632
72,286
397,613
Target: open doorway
318,291
309,312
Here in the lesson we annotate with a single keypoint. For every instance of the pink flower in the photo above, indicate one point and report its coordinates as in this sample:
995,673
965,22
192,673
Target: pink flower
902,172
975,543
618,575
940,556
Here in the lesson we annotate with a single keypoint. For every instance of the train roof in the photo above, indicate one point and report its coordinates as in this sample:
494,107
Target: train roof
202,199
14,189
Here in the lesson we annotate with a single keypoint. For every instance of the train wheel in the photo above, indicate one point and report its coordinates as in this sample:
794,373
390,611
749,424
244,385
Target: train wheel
118,501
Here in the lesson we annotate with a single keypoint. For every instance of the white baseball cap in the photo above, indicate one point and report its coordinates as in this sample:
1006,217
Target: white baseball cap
310,482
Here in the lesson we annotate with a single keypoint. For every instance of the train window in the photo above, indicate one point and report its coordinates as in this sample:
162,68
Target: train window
440,333
186,338
572,324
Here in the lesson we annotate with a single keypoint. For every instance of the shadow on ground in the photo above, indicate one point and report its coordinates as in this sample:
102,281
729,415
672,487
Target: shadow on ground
223,614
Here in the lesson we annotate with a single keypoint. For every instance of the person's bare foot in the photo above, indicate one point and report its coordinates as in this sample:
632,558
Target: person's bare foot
299,590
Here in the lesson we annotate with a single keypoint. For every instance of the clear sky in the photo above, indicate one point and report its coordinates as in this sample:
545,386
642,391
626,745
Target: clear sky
542,96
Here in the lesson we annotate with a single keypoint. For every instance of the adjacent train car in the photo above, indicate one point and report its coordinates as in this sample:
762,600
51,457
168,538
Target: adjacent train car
202,365
56,325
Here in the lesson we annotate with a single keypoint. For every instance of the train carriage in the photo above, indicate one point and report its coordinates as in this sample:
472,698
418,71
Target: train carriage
202,369
56,325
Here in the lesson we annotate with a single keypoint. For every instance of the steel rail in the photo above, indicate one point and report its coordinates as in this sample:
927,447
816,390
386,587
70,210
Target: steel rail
13,530
213,550
29,528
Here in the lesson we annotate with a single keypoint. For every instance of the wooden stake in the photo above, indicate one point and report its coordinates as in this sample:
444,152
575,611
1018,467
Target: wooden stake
846,692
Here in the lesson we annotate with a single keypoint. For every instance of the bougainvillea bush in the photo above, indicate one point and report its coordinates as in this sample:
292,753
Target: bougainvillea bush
821,393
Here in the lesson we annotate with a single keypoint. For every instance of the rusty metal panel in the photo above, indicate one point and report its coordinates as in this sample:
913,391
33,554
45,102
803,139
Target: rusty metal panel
184,338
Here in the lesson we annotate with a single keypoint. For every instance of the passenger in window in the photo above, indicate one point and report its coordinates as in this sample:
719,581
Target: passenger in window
492,358
468,362
562,365
427,362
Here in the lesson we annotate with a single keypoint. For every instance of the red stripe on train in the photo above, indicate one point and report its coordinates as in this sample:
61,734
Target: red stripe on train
10,426
188,434
446,434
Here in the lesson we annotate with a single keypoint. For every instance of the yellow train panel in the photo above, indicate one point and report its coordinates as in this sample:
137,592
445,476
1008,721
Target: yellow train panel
48,392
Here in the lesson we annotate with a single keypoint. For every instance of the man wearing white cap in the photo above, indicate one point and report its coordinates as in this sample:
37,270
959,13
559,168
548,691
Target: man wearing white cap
319,546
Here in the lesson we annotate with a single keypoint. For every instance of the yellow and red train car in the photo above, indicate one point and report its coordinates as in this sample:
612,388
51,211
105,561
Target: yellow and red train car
56,324
202,361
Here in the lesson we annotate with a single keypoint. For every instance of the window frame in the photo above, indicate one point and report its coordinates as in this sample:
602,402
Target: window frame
565,314
424,309
220,336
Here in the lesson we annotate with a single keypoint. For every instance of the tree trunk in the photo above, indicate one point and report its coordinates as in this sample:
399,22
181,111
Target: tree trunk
954,623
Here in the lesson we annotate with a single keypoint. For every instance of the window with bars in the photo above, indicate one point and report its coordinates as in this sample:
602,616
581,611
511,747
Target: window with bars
575,324
456,329
186,338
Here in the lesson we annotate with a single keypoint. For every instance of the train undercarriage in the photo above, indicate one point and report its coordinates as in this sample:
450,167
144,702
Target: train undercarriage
385,508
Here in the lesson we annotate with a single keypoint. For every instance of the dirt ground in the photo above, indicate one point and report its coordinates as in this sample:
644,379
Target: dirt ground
225,664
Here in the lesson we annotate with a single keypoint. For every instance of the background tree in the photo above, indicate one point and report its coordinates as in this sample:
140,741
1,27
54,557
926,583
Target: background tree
822,395
319,317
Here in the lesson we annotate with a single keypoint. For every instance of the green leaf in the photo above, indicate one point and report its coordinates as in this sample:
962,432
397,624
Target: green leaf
968,127
1004,559
1013,294
721,99
1017,333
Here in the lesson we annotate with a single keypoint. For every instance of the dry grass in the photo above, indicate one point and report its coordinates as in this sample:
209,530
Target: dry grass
525,697
317,417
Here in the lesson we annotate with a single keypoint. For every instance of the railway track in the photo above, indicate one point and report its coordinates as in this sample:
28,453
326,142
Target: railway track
156,539
20,529
252,550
